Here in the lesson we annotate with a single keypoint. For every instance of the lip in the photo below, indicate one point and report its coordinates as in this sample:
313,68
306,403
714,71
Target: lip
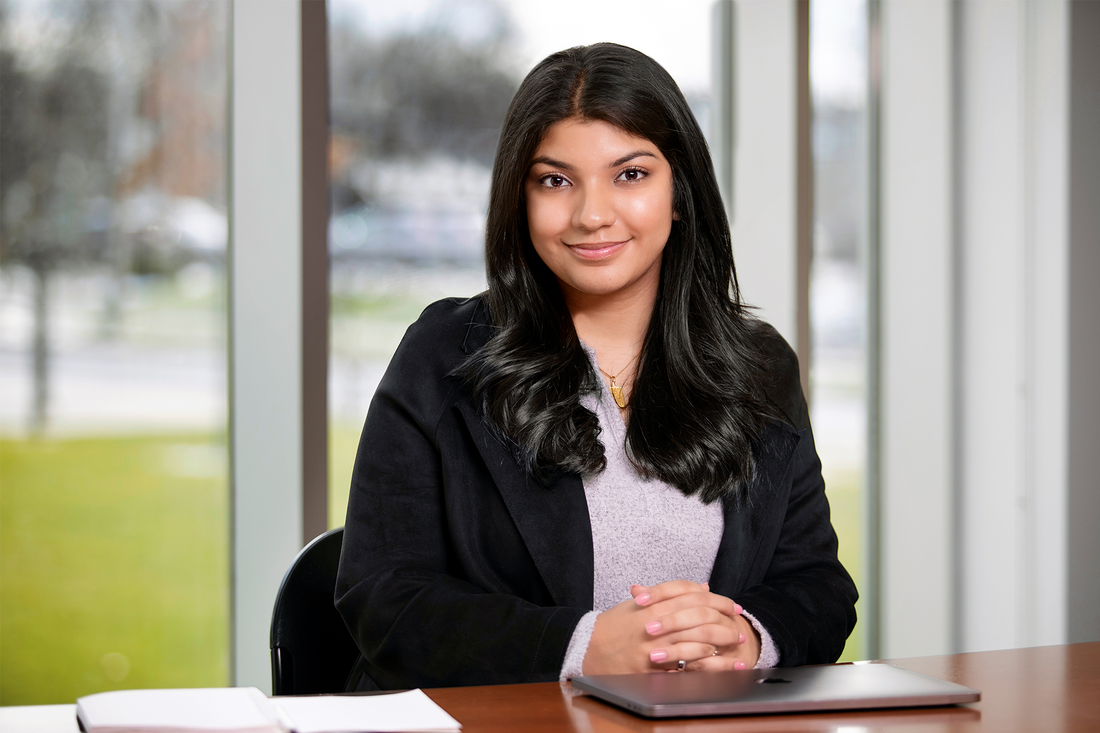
596,250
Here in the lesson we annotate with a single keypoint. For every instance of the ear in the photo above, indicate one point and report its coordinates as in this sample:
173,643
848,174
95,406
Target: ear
675,215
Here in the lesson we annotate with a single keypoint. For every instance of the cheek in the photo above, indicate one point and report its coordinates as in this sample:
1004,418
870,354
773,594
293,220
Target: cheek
540,219
652,214
548,223
540,232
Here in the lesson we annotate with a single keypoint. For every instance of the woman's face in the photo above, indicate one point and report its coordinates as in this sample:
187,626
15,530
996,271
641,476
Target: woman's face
599,208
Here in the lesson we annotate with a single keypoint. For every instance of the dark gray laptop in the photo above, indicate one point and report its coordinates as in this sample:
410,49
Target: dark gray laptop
781,690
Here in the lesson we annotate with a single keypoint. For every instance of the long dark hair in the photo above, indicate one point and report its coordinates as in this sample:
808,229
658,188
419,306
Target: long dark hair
698,407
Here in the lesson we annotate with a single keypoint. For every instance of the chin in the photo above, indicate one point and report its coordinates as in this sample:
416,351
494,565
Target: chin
600,289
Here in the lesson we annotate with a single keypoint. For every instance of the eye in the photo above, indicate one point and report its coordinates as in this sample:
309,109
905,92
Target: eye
632,174
553,181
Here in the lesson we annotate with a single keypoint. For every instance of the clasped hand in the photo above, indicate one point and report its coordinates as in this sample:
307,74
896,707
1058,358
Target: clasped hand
669,622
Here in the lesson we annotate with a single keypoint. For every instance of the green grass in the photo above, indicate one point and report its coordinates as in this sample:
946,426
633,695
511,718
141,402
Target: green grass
343,440
113,566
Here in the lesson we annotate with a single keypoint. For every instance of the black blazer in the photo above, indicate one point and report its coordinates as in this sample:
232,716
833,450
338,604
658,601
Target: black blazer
458,570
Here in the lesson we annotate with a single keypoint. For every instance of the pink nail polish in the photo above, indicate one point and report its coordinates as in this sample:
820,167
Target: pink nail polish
740,638
737,608
660,655
642,599
738,665
653,627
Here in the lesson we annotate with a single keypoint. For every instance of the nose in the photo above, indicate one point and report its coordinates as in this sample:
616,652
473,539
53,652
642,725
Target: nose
595,208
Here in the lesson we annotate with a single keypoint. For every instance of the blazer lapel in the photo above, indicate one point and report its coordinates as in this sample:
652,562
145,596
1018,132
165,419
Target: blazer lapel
740,562
553,522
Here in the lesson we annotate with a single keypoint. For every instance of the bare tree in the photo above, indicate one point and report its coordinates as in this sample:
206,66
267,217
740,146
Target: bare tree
118,103
419,94
53,133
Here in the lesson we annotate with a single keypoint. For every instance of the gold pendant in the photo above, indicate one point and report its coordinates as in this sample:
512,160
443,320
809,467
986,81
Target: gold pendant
617,393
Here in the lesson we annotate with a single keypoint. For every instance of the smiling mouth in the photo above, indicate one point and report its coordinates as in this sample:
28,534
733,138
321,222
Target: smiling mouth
596,250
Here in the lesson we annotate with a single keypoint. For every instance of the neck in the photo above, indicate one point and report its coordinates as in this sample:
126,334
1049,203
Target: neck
613,325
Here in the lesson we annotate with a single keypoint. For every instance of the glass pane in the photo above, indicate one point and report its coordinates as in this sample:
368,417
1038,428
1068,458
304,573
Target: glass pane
417,95
838,407
113,523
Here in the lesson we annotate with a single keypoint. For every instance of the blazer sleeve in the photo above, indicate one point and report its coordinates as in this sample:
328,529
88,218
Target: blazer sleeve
802,594
404,594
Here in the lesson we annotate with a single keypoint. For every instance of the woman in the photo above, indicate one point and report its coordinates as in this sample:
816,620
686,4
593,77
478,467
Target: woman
603,464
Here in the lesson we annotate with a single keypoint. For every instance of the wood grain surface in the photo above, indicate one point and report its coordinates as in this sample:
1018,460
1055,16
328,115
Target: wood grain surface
1053,689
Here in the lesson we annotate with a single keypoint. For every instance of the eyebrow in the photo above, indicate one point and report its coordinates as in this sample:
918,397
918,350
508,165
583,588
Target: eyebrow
614,164
631,156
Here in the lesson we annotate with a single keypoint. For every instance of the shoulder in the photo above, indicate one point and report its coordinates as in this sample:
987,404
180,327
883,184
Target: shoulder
419,373
782,381
446,332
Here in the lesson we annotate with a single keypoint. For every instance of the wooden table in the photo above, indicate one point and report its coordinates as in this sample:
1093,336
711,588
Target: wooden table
1053,689
1049,689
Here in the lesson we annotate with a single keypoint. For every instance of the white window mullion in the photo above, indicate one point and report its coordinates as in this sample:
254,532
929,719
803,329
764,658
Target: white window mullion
266,320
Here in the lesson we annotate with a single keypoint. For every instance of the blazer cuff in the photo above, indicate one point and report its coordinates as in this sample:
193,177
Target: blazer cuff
573,666
769,653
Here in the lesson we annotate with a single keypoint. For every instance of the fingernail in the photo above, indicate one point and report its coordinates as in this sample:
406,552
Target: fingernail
741,638
660,655
706,586
642,599
653,627
739,664
737,608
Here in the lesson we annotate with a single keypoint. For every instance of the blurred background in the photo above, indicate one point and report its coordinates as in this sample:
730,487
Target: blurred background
115,490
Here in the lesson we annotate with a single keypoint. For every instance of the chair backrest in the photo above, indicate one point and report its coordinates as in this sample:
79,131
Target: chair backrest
312,651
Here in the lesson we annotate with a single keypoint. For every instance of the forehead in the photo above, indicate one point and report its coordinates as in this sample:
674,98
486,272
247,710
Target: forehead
580,141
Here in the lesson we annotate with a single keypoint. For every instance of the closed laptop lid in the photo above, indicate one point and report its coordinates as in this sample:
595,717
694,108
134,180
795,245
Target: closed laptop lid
781,690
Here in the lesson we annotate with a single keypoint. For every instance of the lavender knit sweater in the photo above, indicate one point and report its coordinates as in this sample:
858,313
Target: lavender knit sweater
643,532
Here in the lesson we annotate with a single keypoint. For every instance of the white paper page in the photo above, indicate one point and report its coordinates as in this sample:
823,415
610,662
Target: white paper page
216,708
396,713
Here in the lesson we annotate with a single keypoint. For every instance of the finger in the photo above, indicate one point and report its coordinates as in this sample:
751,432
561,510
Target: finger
648,595
691,652
718,663
681,621
651,595
712,636
690,610
724,605
719,636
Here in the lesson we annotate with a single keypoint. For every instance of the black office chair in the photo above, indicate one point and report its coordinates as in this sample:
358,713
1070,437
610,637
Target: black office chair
312,651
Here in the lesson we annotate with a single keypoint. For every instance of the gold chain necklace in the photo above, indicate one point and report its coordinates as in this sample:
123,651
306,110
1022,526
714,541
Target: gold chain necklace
616,391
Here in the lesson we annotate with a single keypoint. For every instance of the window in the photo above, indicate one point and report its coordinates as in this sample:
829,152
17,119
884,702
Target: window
417,95
838,277
114,514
